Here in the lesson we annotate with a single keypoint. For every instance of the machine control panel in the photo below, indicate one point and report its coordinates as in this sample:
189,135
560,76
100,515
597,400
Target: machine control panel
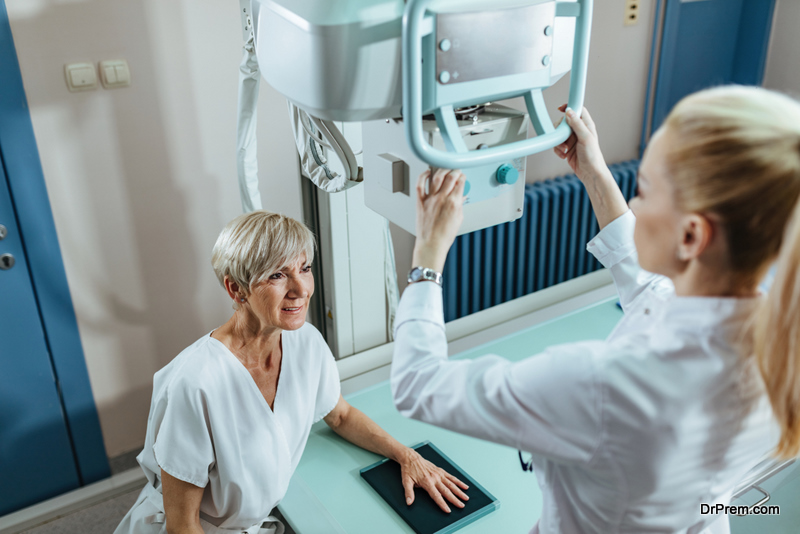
494,194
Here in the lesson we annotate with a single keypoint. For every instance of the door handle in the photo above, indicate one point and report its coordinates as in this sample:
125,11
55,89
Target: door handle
7,261
3,232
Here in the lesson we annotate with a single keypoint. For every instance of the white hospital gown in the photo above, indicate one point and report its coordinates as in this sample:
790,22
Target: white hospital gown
209,425
628,435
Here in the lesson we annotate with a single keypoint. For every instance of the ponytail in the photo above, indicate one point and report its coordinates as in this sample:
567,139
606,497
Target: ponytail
777,340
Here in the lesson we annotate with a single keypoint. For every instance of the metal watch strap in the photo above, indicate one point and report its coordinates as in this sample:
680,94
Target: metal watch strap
420,273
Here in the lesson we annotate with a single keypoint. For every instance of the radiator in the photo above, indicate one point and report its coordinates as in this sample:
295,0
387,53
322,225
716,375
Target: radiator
544,247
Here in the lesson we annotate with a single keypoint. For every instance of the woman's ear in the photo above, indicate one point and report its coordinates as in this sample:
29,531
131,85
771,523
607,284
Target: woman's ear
697,234
234,290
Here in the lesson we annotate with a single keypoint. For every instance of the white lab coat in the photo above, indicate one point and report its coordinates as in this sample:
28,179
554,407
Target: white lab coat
628,435
209,425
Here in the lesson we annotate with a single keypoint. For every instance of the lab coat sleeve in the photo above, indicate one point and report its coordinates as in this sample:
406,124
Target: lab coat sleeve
614,248
183,445
549,404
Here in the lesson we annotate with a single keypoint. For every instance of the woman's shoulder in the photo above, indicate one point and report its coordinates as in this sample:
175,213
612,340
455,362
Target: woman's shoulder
307,345
198,366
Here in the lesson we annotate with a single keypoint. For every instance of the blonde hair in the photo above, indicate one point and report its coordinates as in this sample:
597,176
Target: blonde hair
255,245
736,154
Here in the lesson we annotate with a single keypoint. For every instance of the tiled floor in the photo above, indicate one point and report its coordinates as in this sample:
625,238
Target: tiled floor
101,518
124,461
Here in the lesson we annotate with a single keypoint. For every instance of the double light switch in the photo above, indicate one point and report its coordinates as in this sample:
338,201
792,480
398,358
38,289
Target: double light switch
115,73
83,76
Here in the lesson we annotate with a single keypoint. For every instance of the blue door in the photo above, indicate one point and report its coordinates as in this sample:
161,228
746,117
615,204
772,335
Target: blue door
706,43
50,439
36,460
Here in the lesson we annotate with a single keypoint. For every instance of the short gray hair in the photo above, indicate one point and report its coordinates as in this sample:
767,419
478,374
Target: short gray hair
255,245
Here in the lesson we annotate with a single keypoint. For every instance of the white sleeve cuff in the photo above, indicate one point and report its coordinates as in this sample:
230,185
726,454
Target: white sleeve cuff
421,301
614,242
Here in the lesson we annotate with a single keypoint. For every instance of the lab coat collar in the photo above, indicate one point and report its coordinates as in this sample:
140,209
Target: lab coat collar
710,312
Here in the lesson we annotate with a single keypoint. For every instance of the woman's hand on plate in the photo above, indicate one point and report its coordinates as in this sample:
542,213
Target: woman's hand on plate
417,472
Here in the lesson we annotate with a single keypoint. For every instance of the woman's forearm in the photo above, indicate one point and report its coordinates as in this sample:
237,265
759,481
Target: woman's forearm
181,505
605,196
360,430
415,471
582,151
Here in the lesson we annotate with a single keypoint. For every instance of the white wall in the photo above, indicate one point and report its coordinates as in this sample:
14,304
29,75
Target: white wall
142,179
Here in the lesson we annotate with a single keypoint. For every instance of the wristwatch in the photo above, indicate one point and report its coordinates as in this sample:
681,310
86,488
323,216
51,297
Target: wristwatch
418,274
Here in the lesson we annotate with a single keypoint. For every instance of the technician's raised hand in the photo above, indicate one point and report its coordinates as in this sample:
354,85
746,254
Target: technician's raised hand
416,471
582,151
582,148
440,210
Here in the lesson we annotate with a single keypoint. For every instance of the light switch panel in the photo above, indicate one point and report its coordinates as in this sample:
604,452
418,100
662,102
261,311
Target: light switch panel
115,73
80,77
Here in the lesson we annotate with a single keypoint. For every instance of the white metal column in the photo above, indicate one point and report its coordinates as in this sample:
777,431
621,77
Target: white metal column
352,246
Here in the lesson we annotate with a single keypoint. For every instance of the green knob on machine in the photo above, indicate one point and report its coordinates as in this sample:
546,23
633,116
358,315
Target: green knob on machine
507,174
466,188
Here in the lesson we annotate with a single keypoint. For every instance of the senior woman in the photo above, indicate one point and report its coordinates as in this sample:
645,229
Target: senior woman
230,415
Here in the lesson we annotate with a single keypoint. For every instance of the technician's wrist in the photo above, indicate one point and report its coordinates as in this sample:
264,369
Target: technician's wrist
598,173
599,182
428,256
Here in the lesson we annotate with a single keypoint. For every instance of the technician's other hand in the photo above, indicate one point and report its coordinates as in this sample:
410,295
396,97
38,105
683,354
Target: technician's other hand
418,472
440,210
581,149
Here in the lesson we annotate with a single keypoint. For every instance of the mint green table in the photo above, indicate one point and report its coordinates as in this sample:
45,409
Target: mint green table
327,494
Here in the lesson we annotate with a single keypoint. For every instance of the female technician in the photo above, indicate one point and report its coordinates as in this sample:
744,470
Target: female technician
700,378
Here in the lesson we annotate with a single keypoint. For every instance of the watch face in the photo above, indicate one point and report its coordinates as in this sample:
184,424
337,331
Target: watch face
424,273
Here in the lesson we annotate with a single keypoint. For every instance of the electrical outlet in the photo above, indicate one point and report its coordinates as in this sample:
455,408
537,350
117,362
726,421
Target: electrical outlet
632,8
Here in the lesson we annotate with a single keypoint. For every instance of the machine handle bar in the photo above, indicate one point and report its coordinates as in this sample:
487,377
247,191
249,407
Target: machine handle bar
457,156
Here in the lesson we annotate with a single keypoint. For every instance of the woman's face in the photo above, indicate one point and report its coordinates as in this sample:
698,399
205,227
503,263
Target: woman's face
658,220
282,299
